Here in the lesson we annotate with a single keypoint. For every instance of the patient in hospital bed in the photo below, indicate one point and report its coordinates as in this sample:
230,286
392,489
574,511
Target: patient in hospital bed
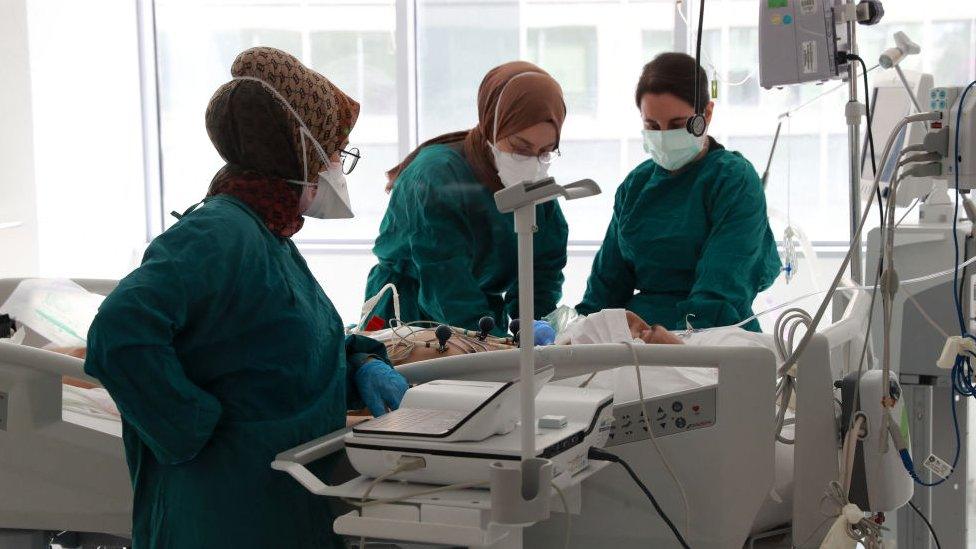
618,326
412,343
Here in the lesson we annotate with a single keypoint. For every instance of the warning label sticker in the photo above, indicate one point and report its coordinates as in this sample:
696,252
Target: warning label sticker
808,6
808,57
938,466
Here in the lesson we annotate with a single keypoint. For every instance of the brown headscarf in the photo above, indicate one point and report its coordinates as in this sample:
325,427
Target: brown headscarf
530,99
257,135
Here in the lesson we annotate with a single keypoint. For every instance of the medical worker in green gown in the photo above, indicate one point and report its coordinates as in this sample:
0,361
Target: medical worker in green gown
221,350
443,243
689,241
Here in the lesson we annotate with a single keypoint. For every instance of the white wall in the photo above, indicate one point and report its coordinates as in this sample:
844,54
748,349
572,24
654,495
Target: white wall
88,164
18,246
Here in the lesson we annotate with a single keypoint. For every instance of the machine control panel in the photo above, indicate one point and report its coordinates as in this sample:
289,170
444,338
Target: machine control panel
670,415
942,99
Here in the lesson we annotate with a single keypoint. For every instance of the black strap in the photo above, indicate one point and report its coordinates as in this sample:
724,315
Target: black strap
696,124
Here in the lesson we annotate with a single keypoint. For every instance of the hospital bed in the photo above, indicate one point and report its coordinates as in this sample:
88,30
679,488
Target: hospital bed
614,511
743,487
65,470
62,468
723,513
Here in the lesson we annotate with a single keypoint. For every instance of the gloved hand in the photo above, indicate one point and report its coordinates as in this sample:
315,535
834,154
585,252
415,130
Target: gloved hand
380,386
544,333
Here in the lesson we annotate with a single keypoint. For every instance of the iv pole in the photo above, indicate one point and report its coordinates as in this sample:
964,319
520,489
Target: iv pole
854,111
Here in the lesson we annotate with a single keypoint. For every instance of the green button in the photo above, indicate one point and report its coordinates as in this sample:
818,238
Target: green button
775,4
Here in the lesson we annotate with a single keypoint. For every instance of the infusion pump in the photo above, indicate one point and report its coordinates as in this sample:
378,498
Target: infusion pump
798,42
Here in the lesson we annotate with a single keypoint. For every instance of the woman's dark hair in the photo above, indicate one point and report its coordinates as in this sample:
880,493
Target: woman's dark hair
673,73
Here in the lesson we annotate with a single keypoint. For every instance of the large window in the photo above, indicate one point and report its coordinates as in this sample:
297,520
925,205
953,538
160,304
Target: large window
457,43
362,63
595,48
808,178
655,41
596,53
351,43
570,55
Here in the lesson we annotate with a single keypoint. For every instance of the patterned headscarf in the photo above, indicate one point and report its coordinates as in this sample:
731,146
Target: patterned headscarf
527,101
257,135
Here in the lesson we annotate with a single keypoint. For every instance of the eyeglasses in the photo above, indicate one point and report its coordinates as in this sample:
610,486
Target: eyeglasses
545,158
349,159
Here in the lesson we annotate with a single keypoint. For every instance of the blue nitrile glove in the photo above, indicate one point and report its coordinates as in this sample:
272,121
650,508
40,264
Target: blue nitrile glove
380,386
544,333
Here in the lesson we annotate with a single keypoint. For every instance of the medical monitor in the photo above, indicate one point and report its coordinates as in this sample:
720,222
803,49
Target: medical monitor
890,103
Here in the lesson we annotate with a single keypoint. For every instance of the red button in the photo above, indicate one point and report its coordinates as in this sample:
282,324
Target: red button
695,408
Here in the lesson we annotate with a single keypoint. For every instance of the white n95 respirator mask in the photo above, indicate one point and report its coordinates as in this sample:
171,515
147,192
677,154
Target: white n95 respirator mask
329,199
514,168
517,168
672,149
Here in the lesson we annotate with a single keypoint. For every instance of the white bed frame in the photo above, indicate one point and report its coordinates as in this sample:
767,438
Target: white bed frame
55,475
833,353
745,470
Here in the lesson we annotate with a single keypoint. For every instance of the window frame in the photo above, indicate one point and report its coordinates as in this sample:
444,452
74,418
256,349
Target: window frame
407,116
407,113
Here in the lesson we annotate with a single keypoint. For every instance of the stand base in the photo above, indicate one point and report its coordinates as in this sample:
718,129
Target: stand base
452,517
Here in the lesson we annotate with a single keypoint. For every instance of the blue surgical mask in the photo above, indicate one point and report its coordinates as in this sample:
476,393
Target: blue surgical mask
672,149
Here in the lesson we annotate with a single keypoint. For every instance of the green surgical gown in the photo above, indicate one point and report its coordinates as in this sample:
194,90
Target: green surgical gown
696,243
221,351
452,255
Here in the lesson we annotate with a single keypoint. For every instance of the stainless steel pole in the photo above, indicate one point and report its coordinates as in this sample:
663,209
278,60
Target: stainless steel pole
854,112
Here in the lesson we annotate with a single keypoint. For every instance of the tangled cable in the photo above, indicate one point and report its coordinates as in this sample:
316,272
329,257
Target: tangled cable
784,336
856,525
